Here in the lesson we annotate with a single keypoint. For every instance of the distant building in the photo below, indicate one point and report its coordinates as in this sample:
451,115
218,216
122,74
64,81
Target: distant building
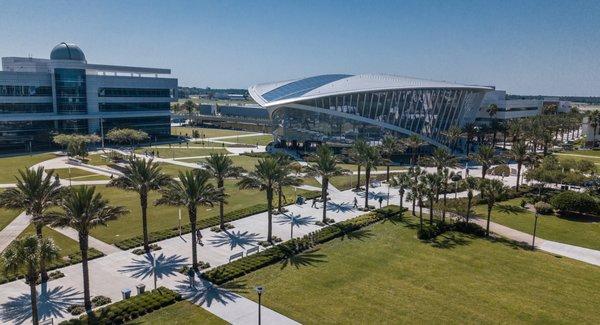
225,96
518,108
66,94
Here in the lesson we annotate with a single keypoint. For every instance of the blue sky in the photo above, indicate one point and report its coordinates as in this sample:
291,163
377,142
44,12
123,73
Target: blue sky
525,47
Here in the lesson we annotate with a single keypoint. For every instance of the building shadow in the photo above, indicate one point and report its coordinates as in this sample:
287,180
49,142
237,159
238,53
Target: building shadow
200,291
52,303
144,266
296,220
341,207
308,258
235,239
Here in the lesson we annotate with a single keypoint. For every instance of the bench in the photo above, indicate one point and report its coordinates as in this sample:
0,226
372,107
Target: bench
235,256
252,250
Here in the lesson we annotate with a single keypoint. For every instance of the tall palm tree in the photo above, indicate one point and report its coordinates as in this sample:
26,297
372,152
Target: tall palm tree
471,185
371,159
431,183
221,167
453,134
193,189
288,178
36,191
469,131
486,157
515,129
325,167
82,210
414,172
389,146
401,181
265,176
440,159
28,253
356,156
594,121
446,175
414,142
417,193
491,191
142,176
518,153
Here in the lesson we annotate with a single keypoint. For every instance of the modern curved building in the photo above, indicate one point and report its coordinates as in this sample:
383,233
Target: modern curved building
339,109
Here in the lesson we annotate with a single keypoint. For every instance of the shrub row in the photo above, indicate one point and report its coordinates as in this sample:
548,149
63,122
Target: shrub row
71,259
129,309
201,224
569,201
245,265
437,228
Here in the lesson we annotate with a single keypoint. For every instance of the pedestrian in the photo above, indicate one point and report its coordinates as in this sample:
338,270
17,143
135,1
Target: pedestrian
355,203
314,203
199,237
380,201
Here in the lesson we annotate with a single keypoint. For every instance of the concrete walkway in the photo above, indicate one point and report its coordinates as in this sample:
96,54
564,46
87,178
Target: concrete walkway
103,247
13,230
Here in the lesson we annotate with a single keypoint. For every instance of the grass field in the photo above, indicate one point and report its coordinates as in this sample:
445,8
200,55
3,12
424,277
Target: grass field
590,155
384,275
179,152
6,216
245,162
97,160
9,166
182,312
204,132
77,174
347,182
362,170
163,217
173,170
584,233
262,140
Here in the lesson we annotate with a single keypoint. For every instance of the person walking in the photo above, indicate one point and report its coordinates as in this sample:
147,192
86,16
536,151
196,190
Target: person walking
314,203
199,237
380,201
355,203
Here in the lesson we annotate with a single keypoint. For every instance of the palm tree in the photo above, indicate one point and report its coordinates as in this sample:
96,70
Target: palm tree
486,156
371,159
471,185
84,209
193,189
401,181
440,159
418,193
220,167
28,253
413,173
287,178
453,134
518,153
142,176
36,191
389,146
325,167
265,176
469,131
414,142
446,176
594,121
431,183
491,191
356,156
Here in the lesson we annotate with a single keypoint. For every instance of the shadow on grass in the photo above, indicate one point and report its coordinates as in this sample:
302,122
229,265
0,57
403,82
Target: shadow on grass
451,240
509,209
576,217
510,243
308,258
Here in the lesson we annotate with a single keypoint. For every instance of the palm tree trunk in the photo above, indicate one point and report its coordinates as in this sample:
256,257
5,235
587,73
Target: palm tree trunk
444,208
144,206
469,199
221,204
367,179
483,172
192,216
420,215
518,174
33,295
487,225
401,195
387,173
279,194
431,211
358,178
269,214
83,247
324,187
43,271
414,200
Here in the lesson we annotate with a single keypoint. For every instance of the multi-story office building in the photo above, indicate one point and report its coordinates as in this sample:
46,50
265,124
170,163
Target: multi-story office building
65,94
518,108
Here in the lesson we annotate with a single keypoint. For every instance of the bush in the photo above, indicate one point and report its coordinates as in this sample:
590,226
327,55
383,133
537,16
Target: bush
431,231
543,208
76,310
98,301
569,201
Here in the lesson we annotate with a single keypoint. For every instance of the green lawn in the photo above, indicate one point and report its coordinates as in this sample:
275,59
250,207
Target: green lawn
593,159
172,169
179,152
347,182
97,160
354,168
205,132
9,166
67,245
77,174
182,312
569,231
164,217
384,275
590,153
262,140
245,162
6,216
311,181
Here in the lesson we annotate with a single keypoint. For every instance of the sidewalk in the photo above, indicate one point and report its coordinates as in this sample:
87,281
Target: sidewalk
13,230
101,246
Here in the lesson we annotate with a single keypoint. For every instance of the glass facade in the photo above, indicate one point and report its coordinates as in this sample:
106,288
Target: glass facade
125,107
156,126
368,115
301,87
24,108
71,96
25,91
135,92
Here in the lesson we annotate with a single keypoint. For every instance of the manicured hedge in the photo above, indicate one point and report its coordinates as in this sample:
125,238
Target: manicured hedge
129,309
245,265
201,224
74,258
437,228
569,201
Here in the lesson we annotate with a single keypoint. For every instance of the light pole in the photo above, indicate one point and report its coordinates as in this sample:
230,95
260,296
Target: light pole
69,176
179,222
534,231
154,268
292,218
259,291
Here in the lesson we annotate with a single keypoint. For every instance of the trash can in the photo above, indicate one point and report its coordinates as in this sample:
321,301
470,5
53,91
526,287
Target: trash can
126,293
141,288
300,200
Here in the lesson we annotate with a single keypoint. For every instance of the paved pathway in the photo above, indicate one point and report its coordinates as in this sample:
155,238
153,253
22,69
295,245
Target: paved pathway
105,248
13,230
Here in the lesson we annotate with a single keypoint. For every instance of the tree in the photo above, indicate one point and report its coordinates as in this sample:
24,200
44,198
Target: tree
287,178
389,146
518,153
401,181
371,159
192,190
471,185
469,131
431,185
35,192
325,166
142,176
220,167
417,193
28,253
414,142
130,136
453,134
594,121
188,106
82,210
413,173
440,159
446,176
491,191
264,178
76,144
356,156
486,157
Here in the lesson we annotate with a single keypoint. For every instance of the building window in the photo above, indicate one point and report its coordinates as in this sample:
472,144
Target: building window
25,91
135,92
70,85
25,108
124,107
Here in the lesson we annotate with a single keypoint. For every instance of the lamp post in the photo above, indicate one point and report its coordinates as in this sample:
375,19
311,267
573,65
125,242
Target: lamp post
154,268
179,222
534,231
259,291
69,176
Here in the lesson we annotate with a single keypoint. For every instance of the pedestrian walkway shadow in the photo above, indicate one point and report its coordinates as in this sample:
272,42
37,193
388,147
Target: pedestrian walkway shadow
341,207
143,267
295,220
202,292
234,239
51,303
375,195
308,258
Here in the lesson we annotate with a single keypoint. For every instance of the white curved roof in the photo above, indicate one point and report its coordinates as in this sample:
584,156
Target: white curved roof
283,92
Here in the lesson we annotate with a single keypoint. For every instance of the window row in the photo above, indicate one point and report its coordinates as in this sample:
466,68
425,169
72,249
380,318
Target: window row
25,108
20,91
135,92
120,107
